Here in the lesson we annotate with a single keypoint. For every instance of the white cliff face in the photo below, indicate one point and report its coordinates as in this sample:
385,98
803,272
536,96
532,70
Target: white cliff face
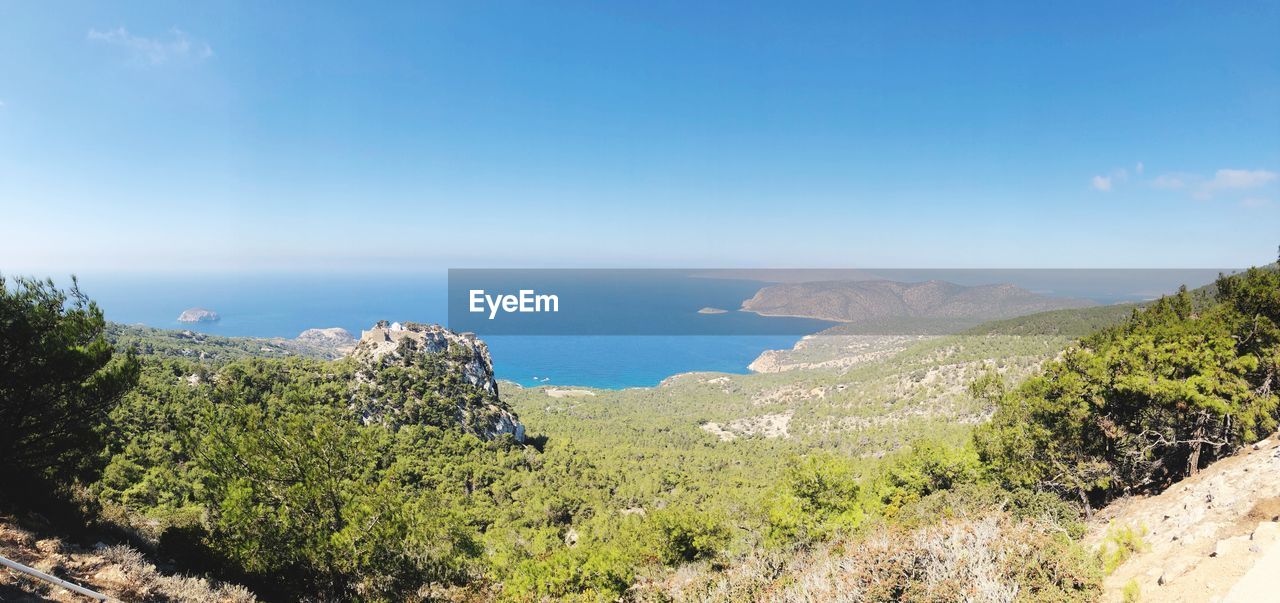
507,424
463,354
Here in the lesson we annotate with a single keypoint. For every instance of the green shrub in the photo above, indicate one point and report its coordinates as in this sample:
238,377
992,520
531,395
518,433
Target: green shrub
582,573
818,497
929,467
1131,593
682,535
1120,544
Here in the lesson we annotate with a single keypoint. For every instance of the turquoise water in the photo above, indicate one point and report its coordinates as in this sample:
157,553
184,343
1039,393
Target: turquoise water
624,361
285,305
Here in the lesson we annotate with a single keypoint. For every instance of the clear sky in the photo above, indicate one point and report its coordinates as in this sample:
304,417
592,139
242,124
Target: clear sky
273,135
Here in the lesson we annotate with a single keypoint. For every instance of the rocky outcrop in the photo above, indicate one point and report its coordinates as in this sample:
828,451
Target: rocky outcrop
335,336
453,374
333,342
765,426
467,353
198,315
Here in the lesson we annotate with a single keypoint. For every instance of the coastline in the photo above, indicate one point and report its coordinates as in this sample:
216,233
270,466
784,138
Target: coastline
768,315
665,381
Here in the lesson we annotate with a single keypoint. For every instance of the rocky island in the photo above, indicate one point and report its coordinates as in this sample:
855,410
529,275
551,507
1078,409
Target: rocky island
198,315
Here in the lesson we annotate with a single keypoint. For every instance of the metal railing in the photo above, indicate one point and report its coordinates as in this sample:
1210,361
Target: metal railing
31,571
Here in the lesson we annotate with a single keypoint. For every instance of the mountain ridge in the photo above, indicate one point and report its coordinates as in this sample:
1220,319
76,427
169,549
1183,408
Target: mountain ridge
949,305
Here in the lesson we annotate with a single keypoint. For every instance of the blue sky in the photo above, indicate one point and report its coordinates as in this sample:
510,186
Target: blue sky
263,136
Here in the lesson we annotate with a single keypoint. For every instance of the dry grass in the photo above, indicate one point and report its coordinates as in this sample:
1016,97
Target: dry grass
118,571
986,559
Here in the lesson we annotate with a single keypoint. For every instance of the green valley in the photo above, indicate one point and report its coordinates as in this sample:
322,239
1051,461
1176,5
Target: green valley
403,471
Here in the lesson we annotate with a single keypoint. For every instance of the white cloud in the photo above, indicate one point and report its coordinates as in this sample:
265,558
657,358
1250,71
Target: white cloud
1105,183
1139,168
1255,202
1229,179
174,46
1225,179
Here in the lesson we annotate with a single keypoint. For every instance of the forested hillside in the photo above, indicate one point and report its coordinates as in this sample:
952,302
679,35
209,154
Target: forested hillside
148,341
917,468
1074,323
882,306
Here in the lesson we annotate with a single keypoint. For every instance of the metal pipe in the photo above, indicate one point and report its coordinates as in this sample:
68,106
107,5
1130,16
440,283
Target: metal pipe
31,571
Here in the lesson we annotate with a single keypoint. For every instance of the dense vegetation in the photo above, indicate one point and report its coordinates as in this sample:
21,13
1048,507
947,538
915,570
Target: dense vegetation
1074,323
283,474
1142,404
58,381
148,341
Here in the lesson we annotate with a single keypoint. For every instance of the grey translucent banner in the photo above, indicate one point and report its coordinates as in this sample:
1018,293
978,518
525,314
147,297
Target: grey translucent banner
784,301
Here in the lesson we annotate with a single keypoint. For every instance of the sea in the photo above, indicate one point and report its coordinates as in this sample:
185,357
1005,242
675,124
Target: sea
284,305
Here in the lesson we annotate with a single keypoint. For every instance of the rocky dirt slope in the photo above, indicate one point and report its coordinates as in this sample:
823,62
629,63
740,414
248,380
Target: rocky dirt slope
116,571
1212,537
832,351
